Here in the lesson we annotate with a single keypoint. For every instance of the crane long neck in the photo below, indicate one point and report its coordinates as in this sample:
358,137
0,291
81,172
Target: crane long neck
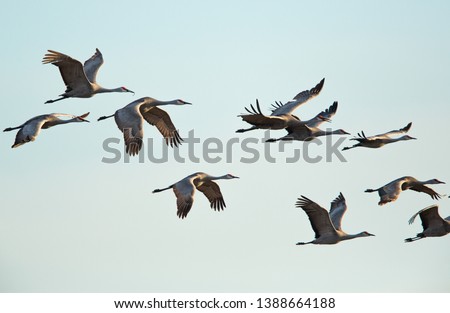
327,132
389,140
104,90
72,120
352,236
426,182
216,177
159,102
60,122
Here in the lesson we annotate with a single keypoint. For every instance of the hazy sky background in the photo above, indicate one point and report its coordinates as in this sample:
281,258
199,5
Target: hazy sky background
70,223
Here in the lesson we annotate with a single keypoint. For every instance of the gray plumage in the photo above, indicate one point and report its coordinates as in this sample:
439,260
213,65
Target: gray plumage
308,130
432,223
281,116
380,140
184,191
327,225
130,120
29,130
391,191
80,80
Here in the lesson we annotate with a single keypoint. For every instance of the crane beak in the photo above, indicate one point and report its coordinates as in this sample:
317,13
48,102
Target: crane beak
128,90
187,102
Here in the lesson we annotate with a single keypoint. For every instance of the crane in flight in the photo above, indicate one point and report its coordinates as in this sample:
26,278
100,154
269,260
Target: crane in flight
80,80
130,120
327,225
184,191
391,191
29,130
308,130
380,140
433,224
281,116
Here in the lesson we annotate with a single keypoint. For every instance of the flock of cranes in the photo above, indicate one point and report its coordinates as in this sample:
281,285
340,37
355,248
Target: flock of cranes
80,81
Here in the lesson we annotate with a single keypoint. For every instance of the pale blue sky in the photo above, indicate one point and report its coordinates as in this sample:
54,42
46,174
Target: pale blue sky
69,222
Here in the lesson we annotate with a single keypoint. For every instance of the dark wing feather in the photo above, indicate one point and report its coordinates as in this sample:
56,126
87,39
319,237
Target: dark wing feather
276,105
71,70
430,217
159,118
256,118
184,202
422,188
299,99
133,143
307,94
318,216
130,123
212,191
323,116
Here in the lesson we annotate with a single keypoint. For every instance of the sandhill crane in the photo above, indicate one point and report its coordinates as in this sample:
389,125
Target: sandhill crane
308,130
80,79
391,191
433,224
184,191
380,140
327,226
281,116
31,128
130,120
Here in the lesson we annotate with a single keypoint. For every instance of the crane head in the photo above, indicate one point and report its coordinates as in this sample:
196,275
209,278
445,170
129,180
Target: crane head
367,234
230,176
126,90
182,102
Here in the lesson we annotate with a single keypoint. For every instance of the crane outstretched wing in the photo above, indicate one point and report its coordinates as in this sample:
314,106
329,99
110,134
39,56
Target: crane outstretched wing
318,216
159,118
184,191
92,65
258,119
298,100
30,130
337,210
324,116
362,137
422,188
71,70
212,191
130,123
